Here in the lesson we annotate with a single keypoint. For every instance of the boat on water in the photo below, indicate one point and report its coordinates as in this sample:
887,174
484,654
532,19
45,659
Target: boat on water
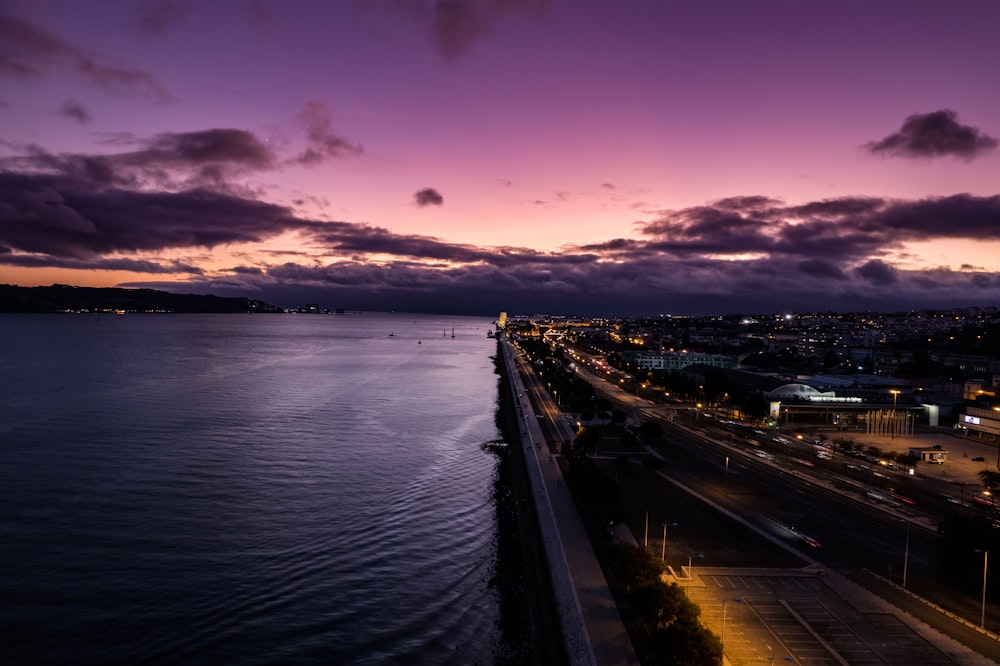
392,335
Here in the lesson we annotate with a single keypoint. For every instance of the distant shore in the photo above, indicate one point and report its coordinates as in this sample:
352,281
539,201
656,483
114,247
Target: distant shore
64,298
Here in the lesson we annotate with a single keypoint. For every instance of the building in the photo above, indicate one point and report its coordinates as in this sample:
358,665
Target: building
930,455
664,360
984,422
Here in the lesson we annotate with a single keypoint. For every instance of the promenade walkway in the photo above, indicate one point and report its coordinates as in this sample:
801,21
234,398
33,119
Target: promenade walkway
592,627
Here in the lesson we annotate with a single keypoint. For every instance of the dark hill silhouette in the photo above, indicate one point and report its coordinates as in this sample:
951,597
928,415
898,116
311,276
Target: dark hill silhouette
62,298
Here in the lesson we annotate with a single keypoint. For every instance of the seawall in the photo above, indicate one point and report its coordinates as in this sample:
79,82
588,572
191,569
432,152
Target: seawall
591,629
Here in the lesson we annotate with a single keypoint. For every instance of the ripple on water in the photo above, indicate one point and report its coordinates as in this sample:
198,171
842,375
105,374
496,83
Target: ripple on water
246,490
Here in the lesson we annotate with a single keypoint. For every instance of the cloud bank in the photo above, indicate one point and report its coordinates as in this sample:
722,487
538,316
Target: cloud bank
159,198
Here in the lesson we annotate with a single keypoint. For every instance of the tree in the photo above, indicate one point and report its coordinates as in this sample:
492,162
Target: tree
676,636
990,479
686,644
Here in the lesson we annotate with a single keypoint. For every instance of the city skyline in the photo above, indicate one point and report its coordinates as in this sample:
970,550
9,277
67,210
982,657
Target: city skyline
527,155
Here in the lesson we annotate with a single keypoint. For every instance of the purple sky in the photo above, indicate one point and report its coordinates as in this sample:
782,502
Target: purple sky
572,156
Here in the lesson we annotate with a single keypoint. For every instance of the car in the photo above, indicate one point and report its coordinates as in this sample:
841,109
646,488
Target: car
812,542
978,459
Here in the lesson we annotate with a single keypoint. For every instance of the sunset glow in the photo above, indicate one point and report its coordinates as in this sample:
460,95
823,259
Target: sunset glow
505,154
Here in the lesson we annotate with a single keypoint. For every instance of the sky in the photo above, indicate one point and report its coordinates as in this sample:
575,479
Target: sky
577,157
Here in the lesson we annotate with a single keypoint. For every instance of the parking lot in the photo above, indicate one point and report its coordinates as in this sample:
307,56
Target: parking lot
796,616
967,455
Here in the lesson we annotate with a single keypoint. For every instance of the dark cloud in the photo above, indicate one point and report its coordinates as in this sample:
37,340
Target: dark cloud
323,143
746,204
68,218
32,52
877,272
74,110
455,25
932,135
704,229
957,216
428,197
102,264
821,269
214,146
182,160
835,208
158,16
834,229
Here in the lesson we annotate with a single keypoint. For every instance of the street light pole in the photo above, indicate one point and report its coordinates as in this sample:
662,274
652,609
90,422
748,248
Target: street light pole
723,641
663,549
982,616
906,555
892,425
690,566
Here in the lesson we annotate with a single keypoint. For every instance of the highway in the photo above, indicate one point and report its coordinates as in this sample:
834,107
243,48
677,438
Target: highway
859,519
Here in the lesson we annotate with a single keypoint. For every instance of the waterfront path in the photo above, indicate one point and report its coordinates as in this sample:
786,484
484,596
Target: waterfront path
592,627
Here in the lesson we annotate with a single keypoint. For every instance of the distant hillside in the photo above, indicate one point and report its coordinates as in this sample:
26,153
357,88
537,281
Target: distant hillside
61,298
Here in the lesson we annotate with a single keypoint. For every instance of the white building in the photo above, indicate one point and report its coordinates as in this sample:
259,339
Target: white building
982,421
677,360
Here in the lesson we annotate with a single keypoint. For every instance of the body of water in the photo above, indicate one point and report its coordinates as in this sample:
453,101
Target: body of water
247,489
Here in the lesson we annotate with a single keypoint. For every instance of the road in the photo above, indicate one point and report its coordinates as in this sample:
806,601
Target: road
592,626
858,525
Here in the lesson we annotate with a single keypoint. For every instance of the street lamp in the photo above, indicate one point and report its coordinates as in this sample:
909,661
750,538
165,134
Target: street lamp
895,394
690,567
